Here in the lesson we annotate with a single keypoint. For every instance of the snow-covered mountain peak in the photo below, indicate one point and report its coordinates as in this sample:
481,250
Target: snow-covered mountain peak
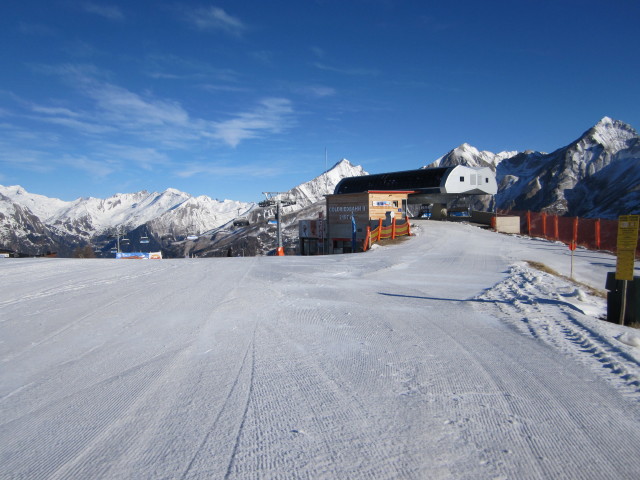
612,134
314,190
469,155
41,206
173,191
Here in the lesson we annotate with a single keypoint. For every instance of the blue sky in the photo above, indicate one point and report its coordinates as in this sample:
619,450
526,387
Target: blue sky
232,98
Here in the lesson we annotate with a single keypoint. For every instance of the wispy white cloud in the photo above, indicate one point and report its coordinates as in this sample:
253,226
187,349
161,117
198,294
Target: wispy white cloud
172,67
110,12
318,52
212,87
35,29
76,124
68,118
318,91
272,115
25,158
124,107
263,56
222,170
346,70
146,158
214,18
95,168
117,127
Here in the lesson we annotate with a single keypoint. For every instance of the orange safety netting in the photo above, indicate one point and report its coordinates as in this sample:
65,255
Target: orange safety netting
592,233
391,231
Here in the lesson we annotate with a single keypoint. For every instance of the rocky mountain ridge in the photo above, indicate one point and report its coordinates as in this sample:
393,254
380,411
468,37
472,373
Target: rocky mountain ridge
596,175
34,224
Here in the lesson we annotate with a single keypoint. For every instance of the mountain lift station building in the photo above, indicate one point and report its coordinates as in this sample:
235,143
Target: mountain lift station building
363,201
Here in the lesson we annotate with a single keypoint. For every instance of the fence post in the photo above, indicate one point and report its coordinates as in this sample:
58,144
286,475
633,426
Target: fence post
544,224
367,239
408,227
393,228
575,230
555,227
597,226
529,222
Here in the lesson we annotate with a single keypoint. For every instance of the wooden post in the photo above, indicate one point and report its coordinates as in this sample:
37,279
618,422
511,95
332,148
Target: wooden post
408,227
597,227
393,228
544,224
367,239
575,230
623,304
556,234
529,222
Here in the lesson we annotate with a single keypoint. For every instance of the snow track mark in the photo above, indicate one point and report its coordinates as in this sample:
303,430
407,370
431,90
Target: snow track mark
553,311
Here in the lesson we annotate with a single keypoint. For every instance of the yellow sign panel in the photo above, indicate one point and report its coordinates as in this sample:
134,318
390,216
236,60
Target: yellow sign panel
627,243
625,264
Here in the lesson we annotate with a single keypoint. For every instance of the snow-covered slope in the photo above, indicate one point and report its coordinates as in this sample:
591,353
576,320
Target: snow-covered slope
41,206
22,230
443,357
173,209
165,216
83,220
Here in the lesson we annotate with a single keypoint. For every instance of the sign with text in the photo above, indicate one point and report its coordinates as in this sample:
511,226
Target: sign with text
627,243
342,213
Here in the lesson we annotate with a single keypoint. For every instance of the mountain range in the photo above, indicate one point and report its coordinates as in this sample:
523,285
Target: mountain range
597,175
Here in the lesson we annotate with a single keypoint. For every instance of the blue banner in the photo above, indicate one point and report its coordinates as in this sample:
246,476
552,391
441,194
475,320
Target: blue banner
353,233
139,255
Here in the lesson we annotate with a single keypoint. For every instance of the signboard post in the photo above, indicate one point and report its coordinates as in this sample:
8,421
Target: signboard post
572,247
627,242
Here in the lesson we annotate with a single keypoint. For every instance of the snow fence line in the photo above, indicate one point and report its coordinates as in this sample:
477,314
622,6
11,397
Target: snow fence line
591,233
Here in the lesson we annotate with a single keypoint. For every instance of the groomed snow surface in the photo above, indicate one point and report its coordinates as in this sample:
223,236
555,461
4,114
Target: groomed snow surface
441,356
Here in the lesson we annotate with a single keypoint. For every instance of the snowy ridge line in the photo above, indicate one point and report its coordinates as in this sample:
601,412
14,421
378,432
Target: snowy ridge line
554,311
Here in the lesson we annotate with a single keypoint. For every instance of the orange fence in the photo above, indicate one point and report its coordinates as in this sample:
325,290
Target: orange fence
592,233
392,231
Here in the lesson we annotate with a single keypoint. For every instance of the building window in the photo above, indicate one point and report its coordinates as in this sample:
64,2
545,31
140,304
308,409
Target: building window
462,179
